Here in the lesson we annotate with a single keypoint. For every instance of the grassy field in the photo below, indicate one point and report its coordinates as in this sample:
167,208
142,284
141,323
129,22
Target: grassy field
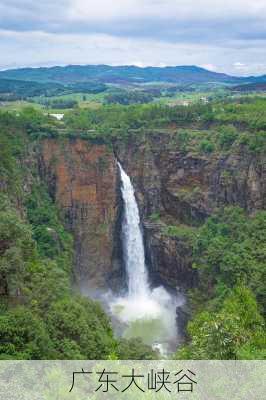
84,101
96,100
18,105
81,98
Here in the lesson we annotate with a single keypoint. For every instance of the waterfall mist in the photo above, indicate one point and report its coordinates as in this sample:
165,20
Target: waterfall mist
144,312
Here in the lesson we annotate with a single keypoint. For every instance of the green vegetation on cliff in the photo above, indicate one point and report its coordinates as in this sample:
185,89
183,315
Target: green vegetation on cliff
229,254
206,127
41,317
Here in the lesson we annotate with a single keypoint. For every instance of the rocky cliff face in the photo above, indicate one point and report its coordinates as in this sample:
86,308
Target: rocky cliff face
185,188
83,180
177,187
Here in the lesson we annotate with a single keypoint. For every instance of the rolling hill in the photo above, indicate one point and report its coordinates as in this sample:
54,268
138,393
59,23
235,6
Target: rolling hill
179,75
250,87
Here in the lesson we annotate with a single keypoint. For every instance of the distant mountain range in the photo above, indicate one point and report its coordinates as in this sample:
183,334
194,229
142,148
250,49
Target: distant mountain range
25,83
180,75
251,87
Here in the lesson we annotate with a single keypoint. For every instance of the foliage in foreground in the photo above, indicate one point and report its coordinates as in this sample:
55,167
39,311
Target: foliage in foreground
229,254
40,315
47,320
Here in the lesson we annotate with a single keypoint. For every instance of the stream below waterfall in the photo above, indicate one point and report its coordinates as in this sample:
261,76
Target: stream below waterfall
143,312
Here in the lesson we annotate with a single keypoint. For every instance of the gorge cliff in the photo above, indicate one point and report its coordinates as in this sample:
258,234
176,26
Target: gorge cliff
174,187
83,180
178,187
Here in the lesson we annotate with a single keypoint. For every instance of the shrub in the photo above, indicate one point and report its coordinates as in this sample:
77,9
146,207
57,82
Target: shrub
206,146
227,134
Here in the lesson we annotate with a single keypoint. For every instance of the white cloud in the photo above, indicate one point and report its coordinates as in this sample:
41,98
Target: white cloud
40,48
250,68
221,35
179,9
210,67
238,64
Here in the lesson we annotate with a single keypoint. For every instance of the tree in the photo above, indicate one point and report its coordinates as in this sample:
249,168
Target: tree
227,135
82,324
230,247
17,250
230,333
134,349
23,336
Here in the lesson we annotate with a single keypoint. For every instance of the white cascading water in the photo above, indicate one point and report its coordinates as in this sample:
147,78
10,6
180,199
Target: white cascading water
145,313
133,248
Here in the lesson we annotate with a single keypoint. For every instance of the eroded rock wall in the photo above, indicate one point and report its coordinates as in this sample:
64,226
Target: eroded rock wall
83,180
184,188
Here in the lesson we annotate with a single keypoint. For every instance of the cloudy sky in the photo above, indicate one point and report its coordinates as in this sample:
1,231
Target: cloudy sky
221,35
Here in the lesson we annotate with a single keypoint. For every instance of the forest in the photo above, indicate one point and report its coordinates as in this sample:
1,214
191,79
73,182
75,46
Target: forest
42,315
12,89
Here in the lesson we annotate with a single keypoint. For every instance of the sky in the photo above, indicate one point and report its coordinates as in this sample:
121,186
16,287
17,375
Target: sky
220,35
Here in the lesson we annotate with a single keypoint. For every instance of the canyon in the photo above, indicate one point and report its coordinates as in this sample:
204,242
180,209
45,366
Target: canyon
136,219
177,187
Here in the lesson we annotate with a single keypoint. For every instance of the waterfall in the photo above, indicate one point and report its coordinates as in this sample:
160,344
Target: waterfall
133,247
142,312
